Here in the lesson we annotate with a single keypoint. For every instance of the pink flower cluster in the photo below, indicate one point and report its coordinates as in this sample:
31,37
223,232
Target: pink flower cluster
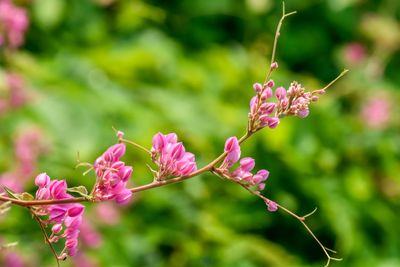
291,102
295,100
243,172
171,157
13,24
112,176
261,111
68,216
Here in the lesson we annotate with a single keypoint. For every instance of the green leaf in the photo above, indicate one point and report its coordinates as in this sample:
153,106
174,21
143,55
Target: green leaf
10,192
81,190
25,196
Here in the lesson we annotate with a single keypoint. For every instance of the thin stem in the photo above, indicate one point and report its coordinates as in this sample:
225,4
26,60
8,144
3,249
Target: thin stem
46,237
337,78
136,145
300,218
27,203
277,33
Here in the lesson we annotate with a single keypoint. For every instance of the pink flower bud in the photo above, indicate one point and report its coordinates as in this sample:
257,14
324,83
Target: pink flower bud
272,206
261,186
302,113
42,180
267,92
171,138
159,141
274,65
124,196
75,211
120,135
247,164
257,87
71,243
58,189
43,193
280,93
231,144
253,104
56,228
125,173
273,122
270,83
72,224
117,150
118,165
268,108
177,151
57,213
247,176
233,149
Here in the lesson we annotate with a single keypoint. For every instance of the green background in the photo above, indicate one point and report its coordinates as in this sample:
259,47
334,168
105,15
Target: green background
188,67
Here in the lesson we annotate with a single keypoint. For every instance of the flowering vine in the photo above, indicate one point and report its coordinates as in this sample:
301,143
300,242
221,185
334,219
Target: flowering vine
54,206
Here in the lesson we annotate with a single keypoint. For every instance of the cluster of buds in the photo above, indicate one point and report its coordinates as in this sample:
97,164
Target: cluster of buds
262,112
13,24
243,173
295,100
68,216
171,157
112,176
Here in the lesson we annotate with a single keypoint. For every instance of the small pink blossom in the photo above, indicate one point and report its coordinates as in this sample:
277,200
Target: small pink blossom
232,148
171,156
112,176
274,65
257,87
69,215
272,206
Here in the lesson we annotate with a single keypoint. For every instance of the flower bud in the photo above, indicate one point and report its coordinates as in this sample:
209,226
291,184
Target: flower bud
125,173
273,122
124,196
56,228
159,141
75,211
120,135
42,180
280,93
247,164
270,83
274,65
272,206
257,87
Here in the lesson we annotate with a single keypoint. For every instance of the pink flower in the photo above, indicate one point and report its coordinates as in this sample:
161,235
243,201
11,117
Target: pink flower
280,93
171,156
272,206
258,87
69,215
232,149
112,176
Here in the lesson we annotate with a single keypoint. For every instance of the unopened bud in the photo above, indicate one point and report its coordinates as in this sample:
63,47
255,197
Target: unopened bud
274,65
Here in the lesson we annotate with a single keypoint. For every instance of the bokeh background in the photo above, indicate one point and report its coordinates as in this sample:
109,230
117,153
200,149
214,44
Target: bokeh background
188,67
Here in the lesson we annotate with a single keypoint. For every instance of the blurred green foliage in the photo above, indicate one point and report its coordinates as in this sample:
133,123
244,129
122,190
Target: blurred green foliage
188,67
